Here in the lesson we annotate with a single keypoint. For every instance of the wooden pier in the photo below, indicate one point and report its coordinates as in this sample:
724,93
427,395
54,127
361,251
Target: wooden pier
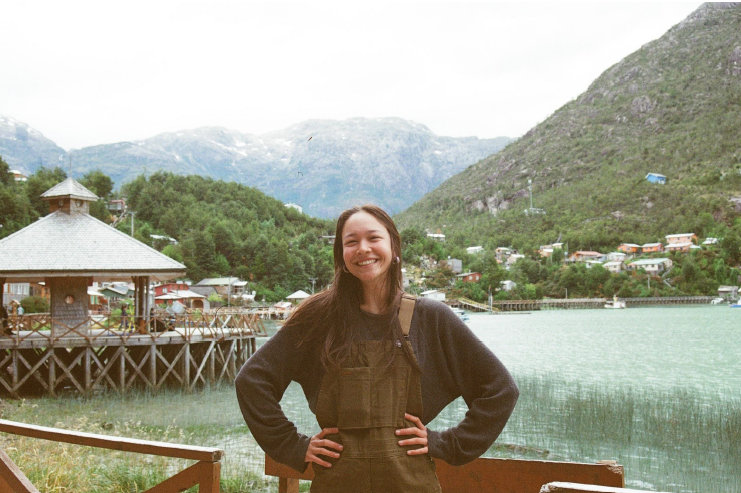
574,303
43,356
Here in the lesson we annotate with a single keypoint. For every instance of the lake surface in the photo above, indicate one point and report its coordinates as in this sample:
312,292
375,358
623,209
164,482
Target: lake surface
656,388
664,347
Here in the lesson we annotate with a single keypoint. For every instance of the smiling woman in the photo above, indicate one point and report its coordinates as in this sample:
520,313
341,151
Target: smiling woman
376,366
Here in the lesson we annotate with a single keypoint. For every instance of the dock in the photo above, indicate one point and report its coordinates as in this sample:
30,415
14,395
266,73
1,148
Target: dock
573,303
43,356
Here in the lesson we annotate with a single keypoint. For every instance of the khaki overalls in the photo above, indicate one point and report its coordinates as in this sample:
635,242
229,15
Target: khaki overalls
366,399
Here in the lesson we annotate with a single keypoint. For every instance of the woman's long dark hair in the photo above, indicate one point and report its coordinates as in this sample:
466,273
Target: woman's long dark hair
326,316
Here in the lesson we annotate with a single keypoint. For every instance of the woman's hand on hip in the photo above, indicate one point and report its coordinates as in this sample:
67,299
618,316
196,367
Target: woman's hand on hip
321,446
420,435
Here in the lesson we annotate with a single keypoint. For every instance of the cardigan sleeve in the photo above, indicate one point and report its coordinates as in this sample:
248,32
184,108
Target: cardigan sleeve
462,365
260,385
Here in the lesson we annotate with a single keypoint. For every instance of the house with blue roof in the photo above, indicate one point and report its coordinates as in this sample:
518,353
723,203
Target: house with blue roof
656,178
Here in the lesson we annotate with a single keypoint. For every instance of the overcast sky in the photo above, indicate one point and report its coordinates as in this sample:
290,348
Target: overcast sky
87,73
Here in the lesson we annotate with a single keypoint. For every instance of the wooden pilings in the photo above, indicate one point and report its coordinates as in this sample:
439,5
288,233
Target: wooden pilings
188,354
154,365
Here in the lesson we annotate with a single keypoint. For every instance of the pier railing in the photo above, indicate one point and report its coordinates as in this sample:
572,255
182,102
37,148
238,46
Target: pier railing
39,354
45,331
205,473
577,303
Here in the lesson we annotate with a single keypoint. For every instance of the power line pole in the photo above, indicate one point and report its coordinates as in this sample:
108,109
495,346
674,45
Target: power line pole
313,280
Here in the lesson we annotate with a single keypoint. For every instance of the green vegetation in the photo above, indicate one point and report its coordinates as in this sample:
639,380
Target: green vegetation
35,304
673,107
227,229
672,440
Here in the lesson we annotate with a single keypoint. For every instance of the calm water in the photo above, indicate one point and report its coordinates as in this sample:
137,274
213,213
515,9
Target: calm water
656,388
662,347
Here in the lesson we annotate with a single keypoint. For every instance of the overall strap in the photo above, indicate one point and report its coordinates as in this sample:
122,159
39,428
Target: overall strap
406,311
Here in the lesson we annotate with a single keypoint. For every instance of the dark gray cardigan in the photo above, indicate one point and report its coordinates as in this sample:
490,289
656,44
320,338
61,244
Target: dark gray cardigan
454,363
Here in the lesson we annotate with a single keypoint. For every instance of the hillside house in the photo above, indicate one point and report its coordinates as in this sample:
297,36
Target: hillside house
629,248
584,255
116,206
170,287
679,247
186,297
469,277
501,253
652,248
710,241
328,238
545,251
507,285
298,296
474,250
223,286
653,266
434,294
437,237
728,293
614,266
591,263
681,238
15,291
656,178
18,175
616,256
512,259
456,265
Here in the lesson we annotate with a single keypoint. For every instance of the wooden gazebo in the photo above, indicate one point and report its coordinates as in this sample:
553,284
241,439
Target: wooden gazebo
67,348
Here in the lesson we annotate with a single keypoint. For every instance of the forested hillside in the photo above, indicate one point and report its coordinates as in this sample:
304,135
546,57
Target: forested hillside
221,228
673,107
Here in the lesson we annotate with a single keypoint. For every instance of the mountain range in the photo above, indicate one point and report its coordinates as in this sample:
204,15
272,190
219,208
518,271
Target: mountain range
673,107
322,165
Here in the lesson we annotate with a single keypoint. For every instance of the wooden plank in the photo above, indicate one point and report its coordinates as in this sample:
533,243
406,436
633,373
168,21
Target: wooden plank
13,478
522,476
210,474
497,475
288,485
123,444
180,482
560,487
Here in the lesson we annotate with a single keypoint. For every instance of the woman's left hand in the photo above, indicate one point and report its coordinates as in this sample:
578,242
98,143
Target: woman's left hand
420,435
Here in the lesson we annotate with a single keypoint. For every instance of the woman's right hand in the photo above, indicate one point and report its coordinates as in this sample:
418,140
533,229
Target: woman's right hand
321,446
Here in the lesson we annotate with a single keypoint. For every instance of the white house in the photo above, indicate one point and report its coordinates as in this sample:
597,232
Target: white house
508,285
474,250
298,296
436,236
616,257
614,266
652,266
434,294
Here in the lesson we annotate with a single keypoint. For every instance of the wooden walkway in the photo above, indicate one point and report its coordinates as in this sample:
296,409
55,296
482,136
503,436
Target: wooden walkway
43,356
575,303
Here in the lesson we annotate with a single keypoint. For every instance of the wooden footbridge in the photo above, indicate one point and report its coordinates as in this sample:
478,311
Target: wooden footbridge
573,303
40,355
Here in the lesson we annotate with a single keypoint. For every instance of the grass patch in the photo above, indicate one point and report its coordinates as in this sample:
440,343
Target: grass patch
675,440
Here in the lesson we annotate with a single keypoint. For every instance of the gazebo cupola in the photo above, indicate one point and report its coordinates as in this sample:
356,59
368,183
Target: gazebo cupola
69,196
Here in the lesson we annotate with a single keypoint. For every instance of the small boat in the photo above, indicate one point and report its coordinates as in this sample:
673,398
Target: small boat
717,301
461,314
615,303
736,305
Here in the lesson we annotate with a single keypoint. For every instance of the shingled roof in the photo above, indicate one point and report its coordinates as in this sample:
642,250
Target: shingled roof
69,188
70,245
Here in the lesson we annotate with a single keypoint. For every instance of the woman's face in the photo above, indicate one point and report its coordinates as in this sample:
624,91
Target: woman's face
366,248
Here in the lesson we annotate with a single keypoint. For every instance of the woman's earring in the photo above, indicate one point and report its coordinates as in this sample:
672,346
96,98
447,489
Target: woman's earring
397,260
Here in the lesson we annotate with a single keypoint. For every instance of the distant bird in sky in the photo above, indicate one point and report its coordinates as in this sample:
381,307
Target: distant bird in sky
310,138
